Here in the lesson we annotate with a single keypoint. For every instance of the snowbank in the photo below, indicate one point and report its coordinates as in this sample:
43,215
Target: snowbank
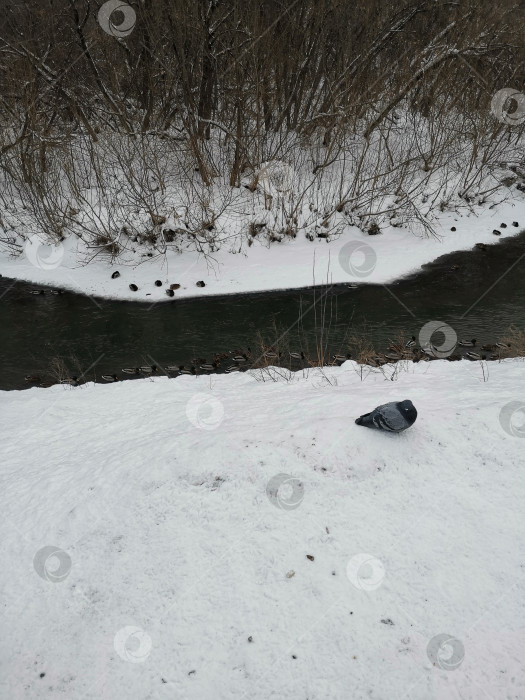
176,574
287,265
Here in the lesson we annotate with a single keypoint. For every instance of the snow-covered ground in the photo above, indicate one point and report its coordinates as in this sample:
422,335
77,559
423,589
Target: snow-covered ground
352,257
182,570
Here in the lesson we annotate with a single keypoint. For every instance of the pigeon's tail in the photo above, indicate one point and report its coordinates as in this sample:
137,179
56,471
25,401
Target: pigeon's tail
365,420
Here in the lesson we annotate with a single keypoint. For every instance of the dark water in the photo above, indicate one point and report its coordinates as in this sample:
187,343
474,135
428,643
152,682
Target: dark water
102,337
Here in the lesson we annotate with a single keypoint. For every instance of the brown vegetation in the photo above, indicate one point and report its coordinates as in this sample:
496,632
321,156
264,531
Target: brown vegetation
217,87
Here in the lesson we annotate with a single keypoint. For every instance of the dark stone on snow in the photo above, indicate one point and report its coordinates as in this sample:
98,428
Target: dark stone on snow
496,232
115,275
170,292
158,283
200,284
133,287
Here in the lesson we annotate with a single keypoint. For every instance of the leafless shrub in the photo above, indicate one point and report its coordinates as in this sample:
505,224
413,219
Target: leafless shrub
381,109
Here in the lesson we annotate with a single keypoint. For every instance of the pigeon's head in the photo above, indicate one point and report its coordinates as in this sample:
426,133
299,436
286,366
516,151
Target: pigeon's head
408,410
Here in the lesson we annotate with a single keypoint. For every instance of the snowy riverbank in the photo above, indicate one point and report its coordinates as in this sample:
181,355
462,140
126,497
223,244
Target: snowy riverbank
179,576
352,257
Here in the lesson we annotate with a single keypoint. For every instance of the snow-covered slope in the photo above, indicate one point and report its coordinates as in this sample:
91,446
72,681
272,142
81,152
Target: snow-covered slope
183,571
352,257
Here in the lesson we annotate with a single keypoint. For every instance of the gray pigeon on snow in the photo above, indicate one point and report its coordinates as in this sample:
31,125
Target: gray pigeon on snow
393,417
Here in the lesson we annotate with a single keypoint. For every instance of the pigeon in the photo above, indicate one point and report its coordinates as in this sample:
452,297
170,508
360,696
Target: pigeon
393,417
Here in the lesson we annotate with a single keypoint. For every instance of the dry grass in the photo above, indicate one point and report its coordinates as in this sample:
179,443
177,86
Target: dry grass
515,340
